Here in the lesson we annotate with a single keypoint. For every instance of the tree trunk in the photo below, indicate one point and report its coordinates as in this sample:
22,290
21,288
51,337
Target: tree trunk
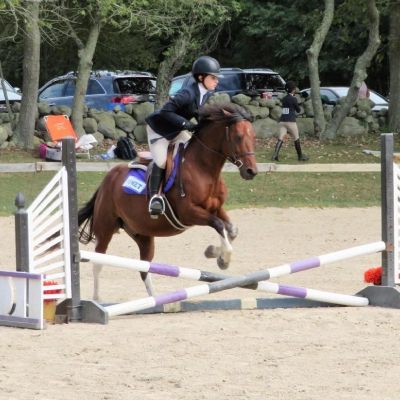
394,66
312,57
360,71
170,65
85,54
31,66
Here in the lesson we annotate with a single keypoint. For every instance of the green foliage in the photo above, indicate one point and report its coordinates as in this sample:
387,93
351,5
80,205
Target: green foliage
138,35
277,33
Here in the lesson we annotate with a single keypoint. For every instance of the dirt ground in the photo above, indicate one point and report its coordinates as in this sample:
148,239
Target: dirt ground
303,354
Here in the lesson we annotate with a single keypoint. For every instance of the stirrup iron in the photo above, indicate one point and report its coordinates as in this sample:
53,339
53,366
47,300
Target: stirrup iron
156,206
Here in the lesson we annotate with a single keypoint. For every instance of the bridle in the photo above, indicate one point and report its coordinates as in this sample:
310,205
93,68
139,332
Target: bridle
233,157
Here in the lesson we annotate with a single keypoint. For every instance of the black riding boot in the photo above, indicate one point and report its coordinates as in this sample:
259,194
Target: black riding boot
278,146
300,155
156,204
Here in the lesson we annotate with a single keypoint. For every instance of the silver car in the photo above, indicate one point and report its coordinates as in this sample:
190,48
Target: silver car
331,95
13,94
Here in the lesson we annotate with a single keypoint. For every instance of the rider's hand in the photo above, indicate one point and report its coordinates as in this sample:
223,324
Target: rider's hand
191,127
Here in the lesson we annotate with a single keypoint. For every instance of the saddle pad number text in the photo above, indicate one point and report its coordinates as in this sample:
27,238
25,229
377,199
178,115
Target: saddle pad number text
134,184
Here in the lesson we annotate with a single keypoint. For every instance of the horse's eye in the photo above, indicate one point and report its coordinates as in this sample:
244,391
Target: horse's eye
238,138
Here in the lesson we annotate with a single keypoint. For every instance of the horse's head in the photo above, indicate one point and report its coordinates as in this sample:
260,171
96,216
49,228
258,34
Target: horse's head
237,138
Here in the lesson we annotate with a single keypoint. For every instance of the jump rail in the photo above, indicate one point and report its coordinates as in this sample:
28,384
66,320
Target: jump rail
249,279
384,295
288,290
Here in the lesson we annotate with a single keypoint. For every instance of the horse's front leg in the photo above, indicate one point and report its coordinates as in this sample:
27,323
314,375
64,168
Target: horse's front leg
223,253
232,229
146,249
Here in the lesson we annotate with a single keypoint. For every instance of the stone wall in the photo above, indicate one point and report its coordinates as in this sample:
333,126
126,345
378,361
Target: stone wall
266,113
101,124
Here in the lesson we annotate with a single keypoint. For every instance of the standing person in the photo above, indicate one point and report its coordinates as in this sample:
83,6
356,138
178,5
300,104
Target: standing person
172,123
287,122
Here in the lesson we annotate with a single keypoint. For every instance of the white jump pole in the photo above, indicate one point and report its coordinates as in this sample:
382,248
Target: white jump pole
205,276
252,278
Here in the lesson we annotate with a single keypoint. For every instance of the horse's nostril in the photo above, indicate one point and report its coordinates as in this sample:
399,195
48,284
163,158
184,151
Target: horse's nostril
251,172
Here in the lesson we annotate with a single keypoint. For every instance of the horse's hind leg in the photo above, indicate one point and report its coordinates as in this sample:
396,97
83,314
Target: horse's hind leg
102,242
146,250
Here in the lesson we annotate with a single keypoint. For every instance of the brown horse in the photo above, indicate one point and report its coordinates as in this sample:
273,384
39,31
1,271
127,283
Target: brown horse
197,196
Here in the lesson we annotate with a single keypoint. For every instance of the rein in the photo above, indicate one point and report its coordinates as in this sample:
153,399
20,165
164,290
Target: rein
233,157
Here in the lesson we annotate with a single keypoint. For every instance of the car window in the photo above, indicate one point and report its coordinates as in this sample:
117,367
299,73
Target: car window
264,81
69,87
136,85
328,94
54,90
7,85
229,82
94,87
176,85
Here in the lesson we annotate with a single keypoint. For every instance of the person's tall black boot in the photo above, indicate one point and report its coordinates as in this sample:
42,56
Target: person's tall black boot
300,155
278,146
156,203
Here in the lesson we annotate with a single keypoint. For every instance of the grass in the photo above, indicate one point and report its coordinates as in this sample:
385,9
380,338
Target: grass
266,190
345,151
305,190
330,153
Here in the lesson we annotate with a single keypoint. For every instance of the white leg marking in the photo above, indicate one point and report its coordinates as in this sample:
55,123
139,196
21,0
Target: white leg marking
226,248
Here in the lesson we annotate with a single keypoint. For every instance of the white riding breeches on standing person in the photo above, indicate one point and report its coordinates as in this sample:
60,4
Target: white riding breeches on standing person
159,145
288,127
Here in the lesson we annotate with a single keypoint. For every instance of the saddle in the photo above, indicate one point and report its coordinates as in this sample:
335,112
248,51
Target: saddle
136,181
140,168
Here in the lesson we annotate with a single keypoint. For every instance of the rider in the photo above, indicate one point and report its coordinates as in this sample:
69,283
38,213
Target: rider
172,122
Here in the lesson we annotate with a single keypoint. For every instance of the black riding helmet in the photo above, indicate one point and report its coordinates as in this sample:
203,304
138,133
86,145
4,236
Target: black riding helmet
206,65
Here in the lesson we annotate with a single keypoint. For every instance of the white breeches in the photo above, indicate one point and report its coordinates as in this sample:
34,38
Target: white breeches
159,147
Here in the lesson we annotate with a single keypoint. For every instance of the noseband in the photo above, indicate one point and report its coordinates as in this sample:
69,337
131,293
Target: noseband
232,157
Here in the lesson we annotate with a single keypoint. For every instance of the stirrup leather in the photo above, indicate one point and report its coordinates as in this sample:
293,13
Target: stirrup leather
157,205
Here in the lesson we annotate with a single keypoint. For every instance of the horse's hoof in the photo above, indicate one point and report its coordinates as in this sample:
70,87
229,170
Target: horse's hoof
211,251
222,264
232,234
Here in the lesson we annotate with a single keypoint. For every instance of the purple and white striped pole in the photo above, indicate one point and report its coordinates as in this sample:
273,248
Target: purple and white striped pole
231,282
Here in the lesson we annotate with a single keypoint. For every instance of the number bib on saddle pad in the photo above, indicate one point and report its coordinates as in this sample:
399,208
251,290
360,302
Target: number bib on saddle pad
135,182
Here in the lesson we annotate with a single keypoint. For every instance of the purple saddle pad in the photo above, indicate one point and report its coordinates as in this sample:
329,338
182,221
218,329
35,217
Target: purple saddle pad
135,182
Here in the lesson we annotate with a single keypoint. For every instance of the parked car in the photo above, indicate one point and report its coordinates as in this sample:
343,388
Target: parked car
252,82
330,95
106,89
13,94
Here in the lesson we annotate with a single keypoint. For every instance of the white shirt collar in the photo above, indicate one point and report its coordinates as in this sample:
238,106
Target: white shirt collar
202,90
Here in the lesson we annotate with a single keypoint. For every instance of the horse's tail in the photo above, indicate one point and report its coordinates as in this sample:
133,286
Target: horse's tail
85,221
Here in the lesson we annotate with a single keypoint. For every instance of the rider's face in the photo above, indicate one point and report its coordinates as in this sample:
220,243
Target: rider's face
210,82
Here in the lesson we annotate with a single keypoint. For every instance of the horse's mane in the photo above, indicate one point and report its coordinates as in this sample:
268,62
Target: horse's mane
215,113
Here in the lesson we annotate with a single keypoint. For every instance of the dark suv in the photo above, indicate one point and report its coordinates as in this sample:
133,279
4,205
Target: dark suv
252,82
105,89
